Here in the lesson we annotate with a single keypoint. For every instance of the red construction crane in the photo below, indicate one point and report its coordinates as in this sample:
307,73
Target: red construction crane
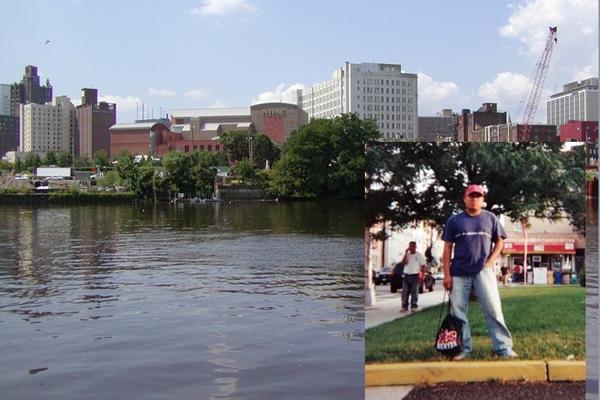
541,68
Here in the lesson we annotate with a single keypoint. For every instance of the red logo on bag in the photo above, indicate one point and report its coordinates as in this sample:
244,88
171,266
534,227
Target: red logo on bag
447,339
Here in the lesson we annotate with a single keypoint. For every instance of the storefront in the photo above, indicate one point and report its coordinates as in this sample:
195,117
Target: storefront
546,260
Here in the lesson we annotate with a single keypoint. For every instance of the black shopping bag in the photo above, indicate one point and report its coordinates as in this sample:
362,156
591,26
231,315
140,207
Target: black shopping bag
449,340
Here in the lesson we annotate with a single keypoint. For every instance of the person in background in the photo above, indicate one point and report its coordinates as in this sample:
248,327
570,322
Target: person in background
414,273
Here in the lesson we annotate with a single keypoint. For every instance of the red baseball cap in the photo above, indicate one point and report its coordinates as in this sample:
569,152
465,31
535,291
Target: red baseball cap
474,189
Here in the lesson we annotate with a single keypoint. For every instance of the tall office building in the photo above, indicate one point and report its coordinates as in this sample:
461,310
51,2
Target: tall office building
381,92
9,125
4,99
49,127
577,102
29,90
93,123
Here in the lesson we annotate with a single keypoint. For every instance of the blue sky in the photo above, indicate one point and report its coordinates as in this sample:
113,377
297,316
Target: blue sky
232,53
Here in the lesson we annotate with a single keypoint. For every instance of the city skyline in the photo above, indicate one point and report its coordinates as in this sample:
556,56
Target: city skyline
232,53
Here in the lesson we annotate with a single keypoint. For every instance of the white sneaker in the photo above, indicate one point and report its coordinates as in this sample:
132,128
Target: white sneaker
460,356
509,355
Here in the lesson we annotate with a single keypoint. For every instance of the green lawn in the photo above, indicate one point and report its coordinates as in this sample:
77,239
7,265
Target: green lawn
545,322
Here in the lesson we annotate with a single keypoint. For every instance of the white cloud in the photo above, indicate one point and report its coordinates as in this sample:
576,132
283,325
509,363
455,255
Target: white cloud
219,104
436,95
161,92
506,88
123,103
576,35
222,7
280,94
196,93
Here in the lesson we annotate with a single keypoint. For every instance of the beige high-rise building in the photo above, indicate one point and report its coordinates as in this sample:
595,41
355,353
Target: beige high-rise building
381,92
48,127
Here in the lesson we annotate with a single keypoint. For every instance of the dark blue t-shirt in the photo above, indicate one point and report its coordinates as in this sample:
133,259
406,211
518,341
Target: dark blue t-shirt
473,238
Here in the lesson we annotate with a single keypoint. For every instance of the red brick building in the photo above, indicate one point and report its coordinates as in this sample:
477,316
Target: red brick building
582,131
154,137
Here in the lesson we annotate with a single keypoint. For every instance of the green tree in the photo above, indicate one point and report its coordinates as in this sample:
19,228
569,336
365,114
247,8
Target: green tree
236,144
100,158
244,171
178,168
18,165
110,178
64,159
264,149
82,162
324,158
204,171
50,158
127,169
426,181
31,162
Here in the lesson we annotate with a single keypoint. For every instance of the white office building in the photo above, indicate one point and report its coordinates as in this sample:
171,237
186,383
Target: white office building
577,102
381,92
48,127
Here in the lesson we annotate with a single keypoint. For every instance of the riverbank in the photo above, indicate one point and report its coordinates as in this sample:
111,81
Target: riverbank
67,197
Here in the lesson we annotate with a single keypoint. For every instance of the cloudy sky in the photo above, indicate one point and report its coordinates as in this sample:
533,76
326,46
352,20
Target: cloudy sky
233,53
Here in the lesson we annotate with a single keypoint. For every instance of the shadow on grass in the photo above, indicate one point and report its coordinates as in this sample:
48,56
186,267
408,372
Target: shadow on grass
545,322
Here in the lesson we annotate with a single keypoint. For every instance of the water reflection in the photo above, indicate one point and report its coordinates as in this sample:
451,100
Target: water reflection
248,300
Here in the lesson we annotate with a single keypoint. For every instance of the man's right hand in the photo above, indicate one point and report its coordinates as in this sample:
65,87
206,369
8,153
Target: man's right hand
448,282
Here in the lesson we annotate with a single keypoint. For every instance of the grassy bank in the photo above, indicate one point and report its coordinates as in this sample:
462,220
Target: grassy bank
546,323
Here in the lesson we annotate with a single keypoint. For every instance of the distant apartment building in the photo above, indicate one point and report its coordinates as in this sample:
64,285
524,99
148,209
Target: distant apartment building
439,128
381,92
93,123
577,102
469,122
29,90
50,127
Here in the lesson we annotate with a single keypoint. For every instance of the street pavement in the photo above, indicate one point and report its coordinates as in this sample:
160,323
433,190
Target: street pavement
387,305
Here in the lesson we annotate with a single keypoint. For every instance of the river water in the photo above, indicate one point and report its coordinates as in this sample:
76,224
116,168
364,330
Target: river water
592,327
209,301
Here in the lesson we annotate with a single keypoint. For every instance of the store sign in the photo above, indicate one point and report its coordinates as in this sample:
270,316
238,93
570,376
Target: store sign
539,247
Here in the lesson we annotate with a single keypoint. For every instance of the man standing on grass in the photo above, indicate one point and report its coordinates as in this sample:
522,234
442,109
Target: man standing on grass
414,271
477,239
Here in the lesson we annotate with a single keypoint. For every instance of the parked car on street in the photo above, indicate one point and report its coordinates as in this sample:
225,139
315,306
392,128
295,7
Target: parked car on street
396,277
382,277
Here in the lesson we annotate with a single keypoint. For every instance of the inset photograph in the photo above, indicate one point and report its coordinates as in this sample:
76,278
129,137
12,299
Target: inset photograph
475,268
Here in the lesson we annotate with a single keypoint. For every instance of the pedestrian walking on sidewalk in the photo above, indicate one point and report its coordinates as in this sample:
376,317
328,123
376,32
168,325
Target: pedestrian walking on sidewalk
414,272
477,238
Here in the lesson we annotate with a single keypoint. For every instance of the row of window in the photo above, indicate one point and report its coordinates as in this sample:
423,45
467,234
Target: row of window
388,82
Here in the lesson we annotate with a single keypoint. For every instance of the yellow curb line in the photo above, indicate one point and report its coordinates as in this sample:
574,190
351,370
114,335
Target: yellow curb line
472,371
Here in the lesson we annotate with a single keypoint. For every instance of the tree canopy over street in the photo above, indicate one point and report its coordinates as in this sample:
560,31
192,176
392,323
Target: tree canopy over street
412,182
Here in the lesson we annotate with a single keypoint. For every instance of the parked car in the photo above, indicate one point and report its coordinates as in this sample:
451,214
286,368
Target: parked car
382,277
396,277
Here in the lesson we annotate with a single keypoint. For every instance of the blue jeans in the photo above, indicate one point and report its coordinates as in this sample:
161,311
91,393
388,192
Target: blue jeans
410,283
486,288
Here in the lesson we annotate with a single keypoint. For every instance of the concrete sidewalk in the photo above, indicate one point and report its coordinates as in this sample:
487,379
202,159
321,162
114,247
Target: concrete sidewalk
387,306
